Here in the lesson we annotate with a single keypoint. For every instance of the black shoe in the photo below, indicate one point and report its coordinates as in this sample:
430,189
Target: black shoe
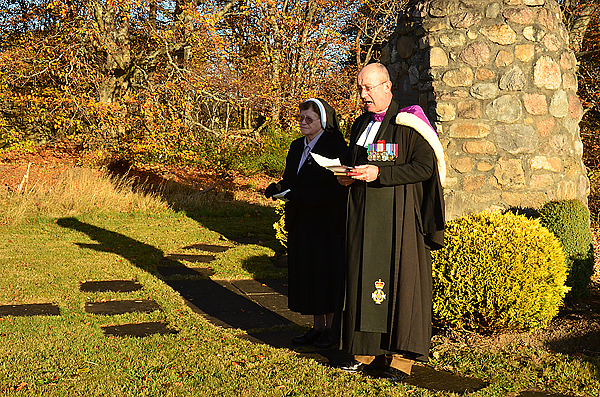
393,375
308,338
325,340
353,366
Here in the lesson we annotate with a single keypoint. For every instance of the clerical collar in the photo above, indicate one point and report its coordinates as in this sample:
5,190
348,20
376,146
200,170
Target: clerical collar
378,117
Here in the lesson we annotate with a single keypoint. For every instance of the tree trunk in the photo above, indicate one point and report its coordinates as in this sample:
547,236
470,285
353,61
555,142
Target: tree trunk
579,26
113,35
276,54
153,9
182,14
300,74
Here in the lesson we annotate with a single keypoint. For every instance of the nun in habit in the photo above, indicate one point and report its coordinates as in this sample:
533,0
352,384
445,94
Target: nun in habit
314,220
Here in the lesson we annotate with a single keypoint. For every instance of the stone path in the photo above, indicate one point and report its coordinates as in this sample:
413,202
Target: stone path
108,308
258,307
35,309
112,285
115,307
138,329
121,307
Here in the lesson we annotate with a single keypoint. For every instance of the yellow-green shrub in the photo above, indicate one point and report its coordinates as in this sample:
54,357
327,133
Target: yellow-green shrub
279,226
569,221
498,271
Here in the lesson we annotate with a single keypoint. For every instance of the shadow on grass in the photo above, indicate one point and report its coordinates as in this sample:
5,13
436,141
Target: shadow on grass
220,301
587,344
142,255
210,202
209,199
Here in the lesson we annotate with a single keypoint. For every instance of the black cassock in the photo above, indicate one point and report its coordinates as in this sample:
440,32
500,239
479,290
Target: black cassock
393,223
314,219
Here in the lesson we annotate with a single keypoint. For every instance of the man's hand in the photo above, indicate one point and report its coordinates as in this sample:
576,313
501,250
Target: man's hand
365,172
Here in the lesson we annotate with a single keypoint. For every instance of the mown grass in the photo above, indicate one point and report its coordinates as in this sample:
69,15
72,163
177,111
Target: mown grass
100,229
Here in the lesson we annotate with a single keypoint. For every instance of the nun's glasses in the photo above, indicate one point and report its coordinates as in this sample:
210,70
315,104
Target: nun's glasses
305,118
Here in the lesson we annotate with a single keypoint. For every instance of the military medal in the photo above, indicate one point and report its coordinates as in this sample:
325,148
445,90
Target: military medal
381,151
378,295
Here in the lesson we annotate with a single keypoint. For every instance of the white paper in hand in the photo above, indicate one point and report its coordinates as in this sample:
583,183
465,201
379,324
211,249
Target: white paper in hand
281,195
333,165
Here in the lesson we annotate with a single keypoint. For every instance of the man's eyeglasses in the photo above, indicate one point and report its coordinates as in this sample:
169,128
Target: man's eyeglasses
369,88
305,118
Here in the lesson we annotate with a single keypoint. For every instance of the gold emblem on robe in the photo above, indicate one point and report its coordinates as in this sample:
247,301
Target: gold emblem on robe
378,295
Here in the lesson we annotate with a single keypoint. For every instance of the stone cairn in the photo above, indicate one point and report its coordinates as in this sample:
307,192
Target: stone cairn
499,81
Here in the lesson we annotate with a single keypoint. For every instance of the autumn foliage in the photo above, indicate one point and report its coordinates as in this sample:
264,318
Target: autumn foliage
150,79
201,82
588,56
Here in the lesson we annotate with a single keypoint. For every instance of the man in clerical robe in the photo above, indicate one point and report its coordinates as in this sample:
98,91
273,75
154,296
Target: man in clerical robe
395,218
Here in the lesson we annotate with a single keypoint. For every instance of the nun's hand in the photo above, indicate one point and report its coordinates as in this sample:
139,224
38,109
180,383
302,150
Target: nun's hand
272,189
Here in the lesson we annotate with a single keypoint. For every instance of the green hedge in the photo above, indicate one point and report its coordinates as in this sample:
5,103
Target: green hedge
247,155
498,271
569,221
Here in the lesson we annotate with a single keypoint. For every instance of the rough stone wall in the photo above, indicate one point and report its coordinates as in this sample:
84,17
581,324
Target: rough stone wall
499,81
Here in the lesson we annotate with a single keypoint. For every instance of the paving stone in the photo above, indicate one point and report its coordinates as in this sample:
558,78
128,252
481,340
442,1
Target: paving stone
272,295
203,271
138,330
262,286
168,271
273,302
279,304
191,258
429,378
110,285
34,309
225,305
206,247
122,307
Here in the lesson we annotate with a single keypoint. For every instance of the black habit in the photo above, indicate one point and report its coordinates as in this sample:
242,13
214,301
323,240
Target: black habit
393,223
314,220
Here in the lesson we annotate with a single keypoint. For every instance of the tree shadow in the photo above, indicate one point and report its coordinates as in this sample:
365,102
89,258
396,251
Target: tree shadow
142,255
221,302
576,329
210,202
528,212
213,206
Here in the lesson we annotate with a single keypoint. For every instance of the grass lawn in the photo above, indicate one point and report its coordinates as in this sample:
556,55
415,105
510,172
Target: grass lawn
45,256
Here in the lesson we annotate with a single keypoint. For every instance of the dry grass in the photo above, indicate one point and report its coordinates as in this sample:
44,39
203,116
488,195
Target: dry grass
78,191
